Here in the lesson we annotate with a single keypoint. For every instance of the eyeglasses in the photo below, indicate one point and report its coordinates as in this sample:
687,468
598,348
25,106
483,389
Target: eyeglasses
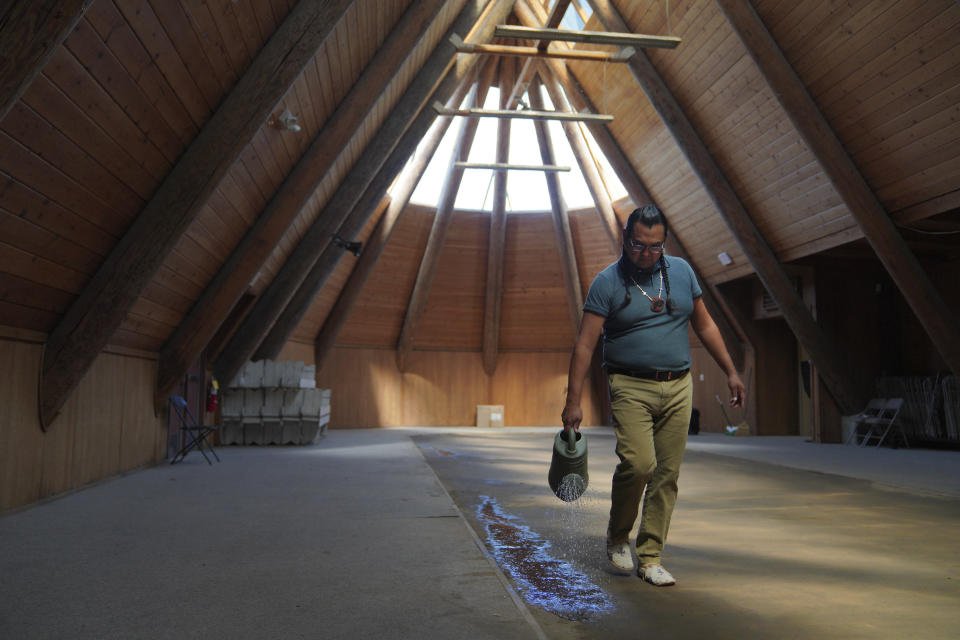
639,247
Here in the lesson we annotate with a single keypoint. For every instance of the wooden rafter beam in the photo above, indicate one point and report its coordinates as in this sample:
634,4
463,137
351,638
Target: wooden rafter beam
91,320
441,224
400,198
624,39
498,231
474,17
561,218
879,230
222,293
30,32
591,174
519,51
526,114
825,355
503,166
733,333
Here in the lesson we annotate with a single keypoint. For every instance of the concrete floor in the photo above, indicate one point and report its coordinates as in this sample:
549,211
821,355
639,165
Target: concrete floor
377,533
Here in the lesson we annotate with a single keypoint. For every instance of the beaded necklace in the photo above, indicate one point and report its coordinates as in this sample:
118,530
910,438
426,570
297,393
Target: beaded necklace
656,304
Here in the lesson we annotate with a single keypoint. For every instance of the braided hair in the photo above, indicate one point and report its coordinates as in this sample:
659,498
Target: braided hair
649,216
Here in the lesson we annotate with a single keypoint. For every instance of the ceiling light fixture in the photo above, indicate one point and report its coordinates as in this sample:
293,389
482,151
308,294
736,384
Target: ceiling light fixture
286,121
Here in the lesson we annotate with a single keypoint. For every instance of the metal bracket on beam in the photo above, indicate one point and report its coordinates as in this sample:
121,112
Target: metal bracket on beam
592,37
525,114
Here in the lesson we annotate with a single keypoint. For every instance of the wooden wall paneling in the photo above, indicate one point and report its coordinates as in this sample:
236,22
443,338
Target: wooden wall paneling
248,258
46,100
535,309
99,311
113,29
443,388
108,428
366,388
532,389
863,204
30,33
453,314
28,293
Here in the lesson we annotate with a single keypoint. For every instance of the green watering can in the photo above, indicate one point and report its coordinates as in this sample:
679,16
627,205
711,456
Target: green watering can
568,470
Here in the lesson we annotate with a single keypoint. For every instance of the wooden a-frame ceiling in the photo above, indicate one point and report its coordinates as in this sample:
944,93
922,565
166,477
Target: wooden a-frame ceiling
148,188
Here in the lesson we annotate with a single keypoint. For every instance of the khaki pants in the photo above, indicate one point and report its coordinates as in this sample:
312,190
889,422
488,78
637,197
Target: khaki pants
652,419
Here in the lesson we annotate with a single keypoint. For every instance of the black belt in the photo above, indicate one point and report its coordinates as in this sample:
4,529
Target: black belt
651,374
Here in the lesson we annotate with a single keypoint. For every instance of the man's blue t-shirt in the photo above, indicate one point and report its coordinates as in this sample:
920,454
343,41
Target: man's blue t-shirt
635,337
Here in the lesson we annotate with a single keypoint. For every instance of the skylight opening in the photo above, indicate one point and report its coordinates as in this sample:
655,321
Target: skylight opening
526,190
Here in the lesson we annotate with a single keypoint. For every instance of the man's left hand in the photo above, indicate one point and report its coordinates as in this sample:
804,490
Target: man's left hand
737,391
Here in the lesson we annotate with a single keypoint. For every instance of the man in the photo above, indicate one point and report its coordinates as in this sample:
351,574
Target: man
642,304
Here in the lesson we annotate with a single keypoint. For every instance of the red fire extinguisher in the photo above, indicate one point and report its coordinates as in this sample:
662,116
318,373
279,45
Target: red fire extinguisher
213,397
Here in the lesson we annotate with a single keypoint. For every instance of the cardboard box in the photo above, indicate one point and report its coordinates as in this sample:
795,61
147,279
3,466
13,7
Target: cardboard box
489,415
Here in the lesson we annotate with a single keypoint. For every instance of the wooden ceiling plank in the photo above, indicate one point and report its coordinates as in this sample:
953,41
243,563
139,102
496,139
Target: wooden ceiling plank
30,33
399,199
841,384
87,326
498,228
560,216
921,294
249,257
293,289
441,224
311,286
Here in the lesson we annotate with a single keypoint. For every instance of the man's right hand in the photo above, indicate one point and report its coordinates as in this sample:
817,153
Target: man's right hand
572,416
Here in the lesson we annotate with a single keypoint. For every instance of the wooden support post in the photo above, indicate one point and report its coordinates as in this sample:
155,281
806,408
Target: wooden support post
229,284
30,32
941,325
301,262
400,198
441,224
560,217
840,381
733,333
520,84
578,143
498,230
91,320
520,51
593,37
